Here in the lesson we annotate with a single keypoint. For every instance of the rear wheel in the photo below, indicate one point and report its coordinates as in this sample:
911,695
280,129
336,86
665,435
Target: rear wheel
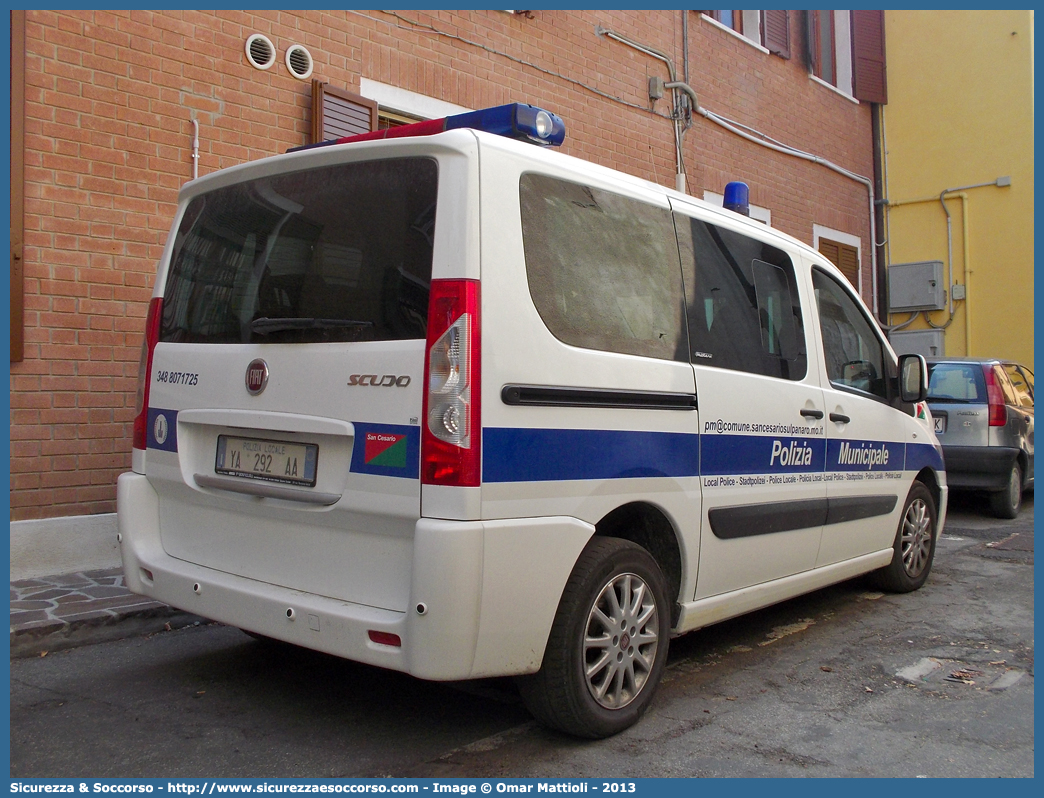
1007,503
607,646
914,547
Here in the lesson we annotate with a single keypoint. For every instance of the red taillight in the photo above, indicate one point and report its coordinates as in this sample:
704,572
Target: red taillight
148,346
995,397
451,433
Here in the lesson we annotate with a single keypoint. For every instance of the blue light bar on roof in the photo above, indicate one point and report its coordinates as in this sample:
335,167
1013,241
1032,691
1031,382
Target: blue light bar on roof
515,120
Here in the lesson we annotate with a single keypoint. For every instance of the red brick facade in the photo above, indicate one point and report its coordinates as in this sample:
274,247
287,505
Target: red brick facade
109,101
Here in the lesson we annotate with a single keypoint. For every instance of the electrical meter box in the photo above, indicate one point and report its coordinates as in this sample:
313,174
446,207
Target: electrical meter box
918,342
916,286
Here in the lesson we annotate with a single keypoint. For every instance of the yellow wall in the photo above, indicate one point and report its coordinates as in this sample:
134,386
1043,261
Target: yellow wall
960,112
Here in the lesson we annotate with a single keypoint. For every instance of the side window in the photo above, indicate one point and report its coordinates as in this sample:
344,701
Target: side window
741,302
602,268
855,356
1005,385
1019,382
1028,375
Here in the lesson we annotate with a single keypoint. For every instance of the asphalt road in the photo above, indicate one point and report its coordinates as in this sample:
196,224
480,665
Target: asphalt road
807,688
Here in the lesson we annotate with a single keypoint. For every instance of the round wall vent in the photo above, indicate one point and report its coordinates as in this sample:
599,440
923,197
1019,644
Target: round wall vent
260,51
299,61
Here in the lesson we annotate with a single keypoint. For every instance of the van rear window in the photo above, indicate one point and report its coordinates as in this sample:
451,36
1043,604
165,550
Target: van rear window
338,253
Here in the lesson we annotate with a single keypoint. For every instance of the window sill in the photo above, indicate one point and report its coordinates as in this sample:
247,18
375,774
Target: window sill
834,89
737,34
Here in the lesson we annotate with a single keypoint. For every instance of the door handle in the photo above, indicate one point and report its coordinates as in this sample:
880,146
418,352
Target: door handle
811,413
839,418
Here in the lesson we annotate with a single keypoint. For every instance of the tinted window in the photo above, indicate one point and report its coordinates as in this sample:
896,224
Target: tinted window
602,268
742,302
956,382
341,253
854,353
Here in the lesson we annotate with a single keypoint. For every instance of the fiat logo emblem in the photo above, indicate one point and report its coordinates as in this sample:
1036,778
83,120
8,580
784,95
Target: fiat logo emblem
256,377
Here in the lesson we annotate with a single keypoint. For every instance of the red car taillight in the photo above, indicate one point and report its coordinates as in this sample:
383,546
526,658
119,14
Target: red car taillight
148,346
451,434
995,397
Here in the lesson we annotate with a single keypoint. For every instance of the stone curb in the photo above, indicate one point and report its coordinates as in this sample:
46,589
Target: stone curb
53,613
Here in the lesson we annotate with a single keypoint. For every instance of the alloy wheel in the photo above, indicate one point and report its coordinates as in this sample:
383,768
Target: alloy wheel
916,538
620,641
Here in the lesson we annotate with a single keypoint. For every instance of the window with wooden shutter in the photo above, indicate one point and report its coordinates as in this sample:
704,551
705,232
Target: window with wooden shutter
868,54
822,56
808,22
844,256
389,119
730,19
337,113
747,23
776,24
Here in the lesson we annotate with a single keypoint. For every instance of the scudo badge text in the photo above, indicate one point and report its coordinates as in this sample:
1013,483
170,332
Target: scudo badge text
387,381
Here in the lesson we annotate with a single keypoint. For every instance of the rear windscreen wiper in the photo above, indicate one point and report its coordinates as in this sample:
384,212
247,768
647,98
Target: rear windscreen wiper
265,325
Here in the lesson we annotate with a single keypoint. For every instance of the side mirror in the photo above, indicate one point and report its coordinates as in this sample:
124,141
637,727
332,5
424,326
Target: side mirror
913,378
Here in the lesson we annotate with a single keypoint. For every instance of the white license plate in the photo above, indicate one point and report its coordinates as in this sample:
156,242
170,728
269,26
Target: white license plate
275,461
940,424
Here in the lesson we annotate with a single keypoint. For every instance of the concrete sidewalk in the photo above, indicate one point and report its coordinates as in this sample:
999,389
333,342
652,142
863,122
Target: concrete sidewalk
51,613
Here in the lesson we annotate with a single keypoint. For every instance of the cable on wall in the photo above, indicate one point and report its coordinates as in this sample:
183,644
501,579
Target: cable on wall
414,25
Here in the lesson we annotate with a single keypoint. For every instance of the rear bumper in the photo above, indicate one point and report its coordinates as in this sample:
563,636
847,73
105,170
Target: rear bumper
483,594
979,467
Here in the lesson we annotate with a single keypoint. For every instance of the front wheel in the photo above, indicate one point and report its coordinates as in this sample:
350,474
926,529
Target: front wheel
914,547
1007,503
607,646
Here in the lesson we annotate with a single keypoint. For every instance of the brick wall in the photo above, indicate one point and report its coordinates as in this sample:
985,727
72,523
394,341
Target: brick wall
110,99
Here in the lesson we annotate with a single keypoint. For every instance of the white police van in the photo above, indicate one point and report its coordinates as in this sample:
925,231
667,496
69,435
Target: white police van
447,403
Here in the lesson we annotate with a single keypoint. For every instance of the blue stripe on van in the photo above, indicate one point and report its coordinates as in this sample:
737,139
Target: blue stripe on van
921,455
845,454
543,455
761,454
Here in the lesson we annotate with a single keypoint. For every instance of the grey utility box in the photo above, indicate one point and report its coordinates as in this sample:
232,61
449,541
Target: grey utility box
916,286
918,342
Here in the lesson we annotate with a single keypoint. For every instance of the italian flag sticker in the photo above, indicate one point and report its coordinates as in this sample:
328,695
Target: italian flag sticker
385,450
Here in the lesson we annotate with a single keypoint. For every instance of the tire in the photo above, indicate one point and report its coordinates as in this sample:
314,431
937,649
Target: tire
914,547
593,682
1007,503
